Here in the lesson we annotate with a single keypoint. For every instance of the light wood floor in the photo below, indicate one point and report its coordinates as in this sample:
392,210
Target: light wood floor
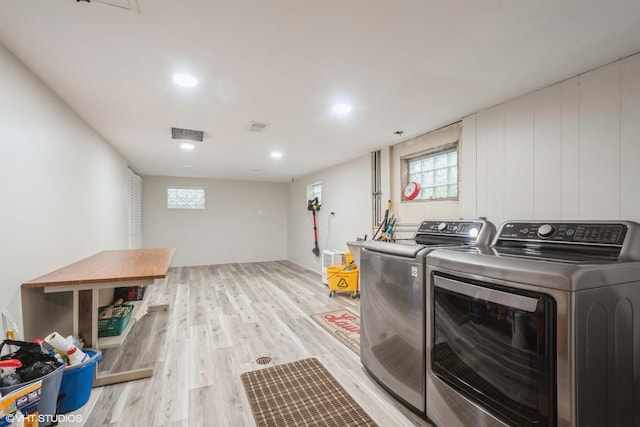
221,319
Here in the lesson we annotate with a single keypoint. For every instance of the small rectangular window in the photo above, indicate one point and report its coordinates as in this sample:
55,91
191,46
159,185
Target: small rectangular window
315,190
185,198
436,173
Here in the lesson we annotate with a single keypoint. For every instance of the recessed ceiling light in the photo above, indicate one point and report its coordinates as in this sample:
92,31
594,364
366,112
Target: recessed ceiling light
188,166
276,154
341,109
185,80
187,146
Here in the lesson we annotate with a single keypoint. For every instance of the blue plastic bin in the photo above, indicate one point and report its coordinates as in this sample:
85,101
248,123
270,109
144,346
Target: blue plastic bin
49,394
77,382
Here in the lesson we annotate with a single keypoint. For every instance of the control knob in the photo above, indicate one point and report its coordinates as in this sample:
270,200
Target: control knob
442,226
546,230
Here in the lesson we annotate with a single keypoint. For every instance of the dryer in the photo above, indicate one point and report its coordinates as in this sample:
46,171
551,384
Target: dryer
540,329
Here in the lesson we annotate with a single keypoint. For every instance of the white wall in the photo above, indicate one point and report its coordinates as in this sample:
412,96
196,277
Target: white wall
568,151
242,222
63,188
346,191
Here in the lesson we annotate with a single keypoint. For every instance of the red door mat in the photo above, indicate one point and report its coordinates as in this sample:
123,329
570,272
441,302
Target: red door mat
342,324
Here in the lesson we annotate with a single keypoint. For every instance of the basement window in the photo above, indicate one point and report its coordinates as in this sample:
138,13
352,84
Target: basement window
436,172
315,190
185,198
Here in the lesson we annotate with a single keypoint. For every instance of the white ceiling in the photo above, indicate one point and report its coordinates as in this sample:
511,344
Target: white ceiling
410,65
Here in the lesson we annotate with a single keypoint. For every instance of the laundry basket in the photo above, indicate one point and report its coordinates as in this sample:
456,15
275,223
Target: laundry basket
48,397
114,325
77,382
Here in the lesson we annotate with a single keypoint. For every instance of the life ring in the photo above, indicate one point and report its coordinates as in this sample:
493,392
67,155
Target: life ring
411,190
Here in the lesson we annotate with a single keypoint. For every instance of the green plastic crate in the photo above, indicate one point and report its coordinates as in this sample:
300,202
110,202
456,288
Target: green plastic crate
114,326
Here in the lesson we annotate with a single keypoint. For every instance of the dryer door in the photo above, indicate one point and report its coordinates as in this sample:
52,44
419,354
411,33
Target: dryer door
496,347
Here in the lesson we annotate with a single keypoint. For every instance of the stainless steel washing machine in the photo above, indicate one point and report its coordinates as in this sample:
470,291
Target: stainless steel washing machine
540,329
392,289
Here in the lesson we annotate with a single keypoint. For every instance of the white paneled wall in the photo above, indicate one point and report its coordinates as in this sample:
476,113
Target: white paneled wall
600,142
467,159
546,144
630,138
495,158
570,173
482,169
568,151
519,175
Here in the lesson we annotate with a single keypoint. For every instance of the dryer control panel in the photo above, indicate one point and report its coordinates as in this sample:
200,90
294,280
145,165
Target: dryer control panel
565,232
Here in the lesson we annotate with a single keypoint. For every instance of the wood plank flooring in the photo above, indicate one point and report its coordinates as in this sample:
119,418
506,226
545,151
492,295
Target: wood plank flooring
220,320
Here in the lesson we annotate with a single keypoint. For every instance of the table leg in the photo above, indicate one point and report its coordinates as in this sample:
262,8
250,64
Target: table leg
76,314
85,316
95,293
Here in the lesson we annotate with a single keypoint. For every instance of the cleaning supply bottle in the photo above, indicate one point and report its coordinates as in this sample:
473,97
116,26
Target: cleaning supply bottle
76,356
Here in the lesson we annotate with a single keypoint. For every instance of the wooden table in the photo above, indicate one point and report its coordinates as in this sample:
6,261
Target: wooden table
67,300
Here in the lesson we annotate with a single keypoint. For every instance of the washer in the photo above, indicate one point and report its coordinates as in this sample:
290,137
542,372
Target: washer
392,304
540,329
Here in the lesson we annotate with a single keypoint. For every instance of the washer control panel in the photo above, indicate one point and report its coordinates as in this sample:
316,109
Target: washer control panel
569,232
451,228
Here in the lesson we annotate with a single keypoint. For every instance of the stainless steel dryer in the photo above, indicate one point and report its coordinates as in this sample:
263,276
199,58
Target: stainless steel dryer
540,329
392,289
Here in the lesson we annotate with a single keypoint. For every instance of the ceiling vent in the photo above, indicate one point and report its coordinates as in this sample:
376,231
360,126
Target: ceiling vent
258,126
187,134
